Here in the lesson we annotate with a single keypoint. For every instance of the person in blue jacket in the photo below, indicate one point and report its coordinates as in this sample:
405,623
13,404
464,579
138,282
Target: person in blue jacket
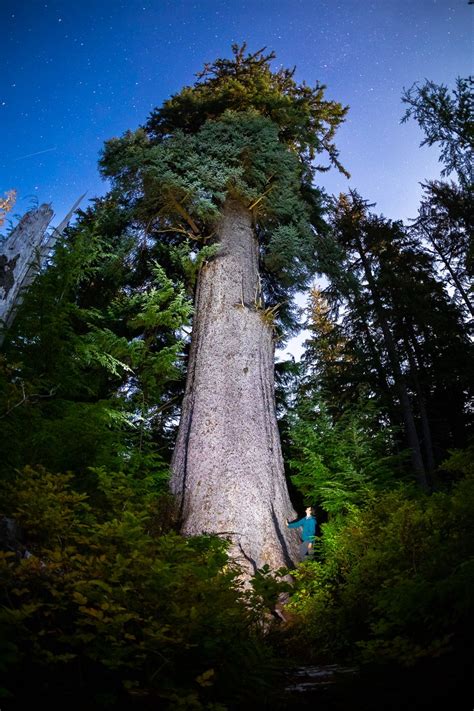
308,524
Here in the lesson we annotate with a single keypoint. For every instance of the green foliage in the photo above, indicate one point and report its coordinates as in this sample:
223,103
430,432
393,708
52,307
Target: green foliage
239,156
245,133
445,223
112,604
338,463
460,462
94,356
392,580
388,330
305,120
447,120
191,260
266,587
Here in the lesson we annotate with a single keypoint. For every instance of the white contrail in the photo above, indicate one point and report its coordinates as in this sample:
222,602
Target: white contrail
30,155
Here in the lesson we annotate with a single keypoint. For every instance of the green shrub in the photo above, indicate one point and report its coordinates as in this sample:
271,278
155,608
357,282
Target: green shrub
392,580
111,605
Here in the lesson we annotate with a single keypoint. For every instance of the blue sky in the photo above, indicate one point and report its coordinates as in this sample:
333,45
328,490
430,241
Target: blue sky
76,74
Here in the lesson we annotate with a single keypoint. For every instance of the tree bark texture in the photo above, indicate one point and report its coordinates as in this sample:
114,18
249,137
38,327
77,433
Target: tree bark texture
20,256
227,465
23,254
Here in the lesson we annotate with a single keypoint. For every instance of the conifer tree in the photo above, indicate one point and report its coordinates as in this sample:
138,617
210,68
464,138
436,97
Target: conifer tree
445,225
386,329
227,165
445,217
91,367
447,120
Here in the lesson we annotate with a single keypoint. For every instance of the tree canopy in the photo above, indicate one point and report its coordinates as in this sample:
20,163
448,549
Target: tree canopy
245,132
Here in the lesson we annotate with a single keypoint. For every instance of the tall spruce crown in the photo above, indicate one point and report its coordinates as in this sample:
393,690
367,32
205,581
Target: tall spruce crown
242,132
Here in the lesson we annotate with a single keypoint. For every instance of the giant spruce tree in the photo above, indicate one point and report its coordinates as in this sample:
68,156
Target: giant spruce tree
226,167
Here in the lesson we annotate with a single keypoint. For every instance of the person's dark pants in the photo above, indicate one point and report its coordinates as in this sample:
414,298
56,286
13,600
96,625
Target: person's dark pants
305,550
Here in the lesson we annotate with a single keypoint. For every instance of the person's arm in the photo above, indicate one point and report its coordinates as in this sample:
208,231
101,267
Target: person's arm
295,524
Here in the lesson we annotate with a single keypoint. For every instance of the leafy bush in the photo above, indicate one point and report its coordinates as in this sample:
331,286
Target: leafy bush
109,605
392,581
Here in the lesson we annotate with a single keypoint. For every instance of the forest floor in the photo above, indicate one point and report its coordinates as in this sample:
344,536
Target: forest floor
437,684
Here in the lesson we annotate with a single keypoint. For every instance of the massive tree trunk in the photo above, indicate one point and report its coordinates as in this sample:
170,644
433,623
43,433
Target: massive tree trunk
227,465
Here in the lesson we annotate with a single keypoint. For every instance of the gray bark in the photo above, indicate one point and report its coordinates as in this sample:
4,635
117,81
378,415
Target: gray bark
227,465
22,255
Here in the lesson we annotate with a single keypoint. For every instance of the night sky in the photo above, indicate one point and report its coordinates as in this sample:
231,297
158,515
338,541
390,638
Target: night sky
77,73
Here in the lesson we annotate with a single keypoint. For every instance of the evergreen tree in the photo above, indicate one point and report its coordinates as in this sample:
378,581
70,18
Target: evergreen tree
228,164
389,332
445,219
445,224
447,120
91,367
